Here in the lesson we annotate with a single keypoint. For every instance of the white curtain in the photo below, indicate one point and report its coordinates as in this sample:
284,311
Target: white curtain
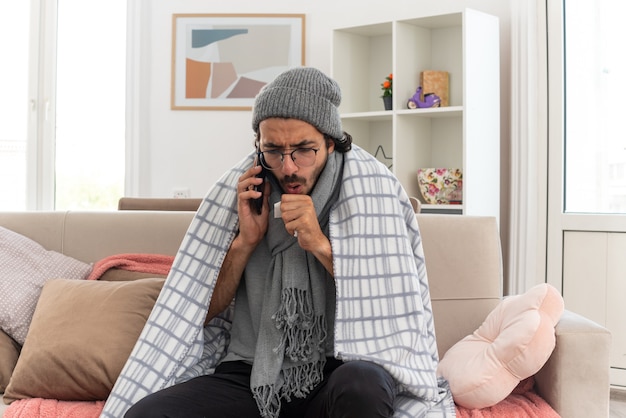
528,157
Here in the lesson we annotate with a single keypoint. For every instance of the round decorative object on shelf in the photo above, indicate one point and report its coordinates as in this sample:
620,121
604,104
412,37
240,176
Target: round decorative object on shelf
387,100
441,186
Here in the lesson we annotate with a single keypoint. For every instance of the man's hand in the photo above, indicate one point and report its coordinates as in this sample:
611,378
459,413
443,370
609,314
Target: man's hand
298,214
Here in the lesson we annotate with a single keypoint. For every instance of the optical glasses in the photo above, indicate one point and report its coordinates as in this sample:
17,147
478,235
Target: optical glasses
302,157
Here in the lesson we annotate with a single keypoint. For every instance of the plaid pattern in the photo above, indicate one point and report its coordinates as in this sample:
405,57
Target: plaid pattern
383,304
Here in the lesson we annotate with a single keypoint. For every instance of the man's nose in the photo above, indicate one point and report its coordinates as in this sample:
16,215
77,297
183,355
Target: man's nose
289,166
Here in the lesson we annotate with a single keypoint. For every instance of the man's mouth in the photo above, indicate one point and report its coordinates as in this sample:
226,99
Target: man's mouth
293,188
293,185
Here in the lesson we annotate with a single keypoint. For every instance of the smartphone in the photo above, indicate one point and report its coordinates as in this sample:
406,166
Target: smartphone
257,204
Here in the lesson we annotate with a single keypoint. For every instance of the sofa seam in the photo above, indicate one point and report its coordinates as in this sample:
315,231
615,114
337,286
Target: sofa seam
64,230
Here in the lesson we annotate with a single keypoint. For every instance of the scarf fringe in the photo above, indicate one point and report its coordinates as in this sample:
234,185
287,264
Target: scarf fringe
299,381
304,332
267,400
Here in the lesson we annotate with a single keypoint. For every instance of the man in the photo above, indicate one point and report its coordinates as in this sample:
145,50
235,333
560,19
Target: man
331,314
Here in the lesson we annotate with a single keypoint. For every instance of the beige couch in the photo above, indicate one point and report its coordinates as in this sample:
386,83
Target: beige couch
465,271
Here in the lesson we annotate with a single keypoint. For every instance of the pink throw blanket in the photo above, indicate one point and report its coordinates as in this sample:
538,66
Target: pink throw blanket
145,263
50,408
522,403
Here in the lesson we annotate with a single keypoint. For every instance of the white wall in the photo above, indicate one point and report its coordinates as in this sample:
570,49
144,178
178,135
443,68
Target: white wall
190,149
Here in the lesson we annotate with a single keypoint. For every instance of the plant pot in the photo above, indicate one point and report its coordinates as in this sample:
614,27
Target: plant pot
387,101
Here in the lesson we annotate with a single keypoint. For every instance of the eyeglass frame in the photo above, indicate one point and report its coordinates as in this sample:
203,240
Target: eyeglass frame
261,157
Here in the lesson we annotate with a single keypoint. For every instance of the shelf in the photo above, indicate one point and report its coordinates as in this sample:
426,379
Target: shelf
383,115
442,209
386,115
434,112
465,134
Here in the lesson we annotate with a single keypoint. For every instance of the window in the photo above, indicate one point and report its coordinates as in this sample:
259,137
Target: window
90,112
587,162
62,145
595,86
14,41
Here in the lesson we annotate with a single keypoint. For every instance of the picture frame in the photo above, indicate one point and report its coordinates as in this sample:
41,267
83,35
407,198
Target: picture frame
221,61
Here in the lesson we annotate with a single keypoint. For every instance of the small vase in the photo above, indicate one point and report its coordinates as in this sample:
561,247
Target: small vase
388,102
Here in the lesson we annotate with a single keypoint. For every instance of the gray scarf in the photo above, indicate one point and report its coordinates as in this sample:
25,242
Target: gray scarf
290,351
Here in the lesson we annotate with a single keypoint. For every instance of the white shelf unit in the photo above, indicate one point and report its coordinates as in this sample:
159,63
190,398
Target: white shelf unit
465,134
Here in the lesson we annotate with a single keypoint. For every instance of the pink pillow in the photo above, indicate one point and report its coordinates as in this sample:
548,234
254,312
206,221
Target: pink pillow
512,344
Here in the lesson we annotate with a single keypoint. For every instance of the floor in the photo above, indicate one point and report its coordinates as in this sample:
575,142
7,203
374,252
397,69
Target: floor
618,404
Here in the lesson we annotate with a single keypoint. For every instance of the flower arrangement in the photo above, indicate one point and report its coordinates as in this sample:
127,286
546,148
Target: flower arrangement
386,85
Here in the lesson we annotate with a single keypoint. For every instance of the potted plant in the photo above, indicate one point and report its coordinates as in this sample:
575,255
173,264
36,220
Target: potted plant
386,87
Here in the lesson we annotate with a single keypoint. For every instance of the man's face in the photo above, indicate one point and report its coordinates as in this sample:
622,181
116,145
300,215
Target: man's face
287,135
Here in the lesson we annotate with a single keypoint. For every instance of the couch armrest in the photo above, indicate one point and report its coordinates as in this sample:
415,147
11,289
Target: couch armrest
575,380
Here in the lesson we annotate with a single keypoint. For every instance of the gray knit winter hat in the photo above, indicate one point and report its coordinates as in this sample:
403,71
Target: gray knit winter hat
303,93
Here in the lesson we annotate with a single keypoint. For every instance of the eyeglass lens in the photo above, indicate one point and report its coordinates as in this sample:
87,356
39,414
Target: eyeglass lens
302,157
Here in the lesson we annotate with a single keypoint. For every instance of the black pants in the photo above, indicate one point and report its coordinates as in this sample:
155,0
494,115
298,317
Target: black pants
353,389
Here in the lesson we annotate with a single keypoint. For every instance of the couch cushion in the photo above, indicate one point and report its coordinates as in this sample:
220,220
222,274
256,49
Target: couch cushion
512,344
9,352
465,279
80,337
24,267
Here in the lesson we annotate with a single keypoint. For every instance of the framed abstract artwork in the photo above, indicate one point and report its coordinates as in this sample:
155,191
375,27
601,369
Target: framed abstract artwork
221,61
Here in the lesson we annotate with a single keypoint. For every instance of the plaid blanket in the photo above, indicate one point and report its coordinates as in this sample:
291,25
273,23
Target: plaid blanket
383,315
